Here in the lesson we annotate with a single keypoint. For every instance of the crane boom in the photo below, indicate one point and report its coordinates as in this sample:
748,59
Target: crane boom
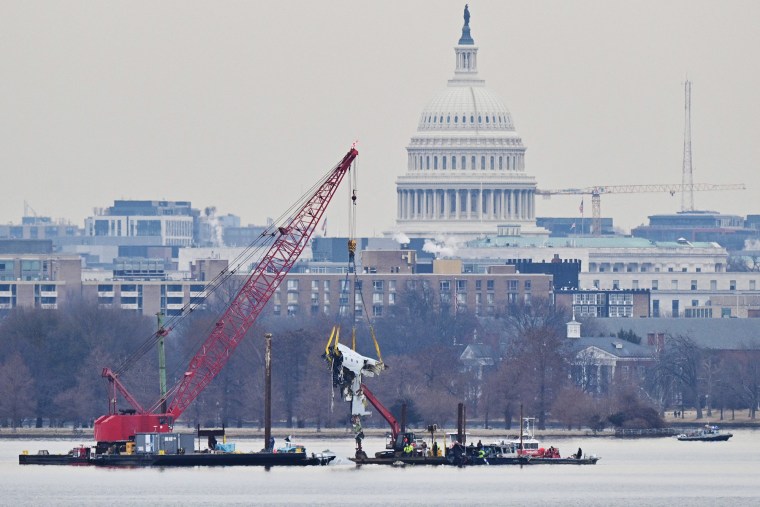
237,319
631,189
597,191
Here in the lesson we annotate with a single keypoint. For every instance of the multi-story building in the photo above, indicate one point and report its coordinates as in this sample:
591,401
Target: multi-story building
34,227
41,281
390,274
729,231
603,254
172,222
604,303
687,294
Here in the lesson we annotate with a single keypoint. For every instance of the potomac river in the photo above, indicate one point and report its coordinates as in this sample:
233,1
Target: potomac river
642,472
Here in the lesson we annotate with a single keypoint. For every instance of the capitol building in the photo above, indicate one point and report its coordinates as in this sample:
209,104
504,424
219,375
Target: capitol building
465,172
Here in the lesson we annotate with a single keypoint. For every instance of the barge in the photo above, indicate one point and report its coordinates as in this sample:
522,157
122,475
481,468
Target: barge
177,450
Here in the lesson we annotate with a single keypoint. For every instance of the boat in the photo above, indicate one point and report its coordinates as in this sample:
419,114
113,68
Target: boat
708,433
528,447
77,456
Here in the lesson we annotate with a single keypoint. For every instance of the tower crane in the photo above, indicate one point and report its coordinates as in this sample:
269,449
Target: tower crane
597,191
288,242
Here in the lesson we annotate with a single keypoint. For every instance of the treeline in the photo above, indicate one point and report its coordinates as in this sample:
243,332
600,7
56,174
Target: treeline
51,363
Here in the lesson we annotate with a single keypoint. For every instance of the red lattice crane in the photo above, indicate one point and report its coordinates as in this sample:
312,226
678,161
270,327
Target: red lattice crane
246,306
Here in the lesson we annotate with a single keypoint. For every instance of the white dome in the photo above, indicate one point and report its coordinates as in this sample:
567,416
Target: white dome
465,108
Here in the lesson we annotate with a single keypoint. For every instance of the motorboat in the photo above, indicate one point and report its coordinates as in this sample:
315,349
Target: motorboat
708,433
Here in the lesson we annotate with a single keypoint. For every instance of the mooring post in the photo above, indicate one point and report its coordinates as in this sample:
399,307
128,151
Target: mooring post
268,392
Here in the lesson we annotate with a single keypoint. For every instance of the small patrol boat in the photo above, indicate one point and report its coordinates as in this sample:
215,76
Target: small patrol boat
708,433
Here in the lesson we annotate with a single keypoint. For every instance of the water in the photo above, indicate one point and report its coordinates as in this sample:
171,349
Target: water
643,472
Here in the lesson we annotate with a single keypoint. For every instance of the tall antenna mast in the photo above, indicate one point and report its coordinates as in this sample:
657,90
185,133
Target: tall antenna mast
687,176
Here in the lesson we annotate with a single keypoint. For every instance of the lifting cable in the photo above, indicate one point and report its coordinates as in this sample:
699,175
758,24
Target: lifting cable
356,288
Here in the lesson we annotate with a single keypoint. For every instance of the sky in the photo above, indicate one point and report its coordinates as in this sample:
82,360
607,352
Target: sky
243,105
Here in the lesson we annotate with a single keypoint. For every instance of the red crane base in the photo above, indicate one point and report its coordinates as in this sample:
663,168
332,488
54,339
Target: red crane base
119,427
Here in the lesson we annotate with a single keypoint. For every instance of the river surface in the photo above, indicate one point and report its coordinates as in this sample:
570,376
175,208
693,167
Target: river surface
641,472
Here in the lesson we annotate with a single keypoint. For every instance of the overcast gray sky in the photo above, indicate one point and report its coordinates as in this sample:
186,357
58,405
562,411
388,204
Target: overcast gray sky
243,105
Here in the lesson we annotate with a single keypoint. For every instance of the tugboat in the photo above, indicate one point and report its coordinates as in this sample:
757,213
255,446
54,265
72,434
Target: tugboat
709,433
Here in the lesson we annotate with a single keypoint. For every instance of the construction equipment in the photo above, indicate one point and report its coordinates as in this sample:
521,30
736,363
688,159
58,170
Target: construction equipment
287,242
596,192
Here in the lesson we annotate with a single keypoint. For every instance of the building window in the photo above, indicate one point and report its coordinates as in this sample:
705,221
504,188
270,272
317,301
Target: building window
377,285
445,285
751,285
615,284
527,285
635,284
674,284
377,311
489,284
713,285
377,298
292,285
693,285
392,298
732,285
655,308
315,285
478,284
674,307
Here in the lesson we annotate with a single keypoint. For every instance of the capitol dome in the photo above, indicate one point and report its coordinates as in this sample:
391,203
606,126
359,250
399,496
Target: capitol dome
460,108
465,173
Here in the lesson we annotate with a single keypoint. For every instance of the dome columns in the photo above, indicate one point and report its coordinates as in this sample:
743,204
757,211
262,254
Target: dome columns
465,204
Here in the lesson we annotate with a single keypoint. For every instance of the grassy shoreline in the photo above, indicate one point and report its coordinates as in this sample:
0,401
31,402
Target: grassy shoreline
496,432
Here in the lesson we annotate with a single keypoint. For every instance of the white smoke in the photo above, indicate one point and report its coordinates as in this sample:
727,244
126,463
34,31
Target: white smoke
441,246
215,227
401,238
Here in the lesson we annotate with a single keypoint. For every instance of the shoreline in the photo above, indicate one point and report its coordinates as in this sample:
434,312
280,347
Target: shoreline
491,433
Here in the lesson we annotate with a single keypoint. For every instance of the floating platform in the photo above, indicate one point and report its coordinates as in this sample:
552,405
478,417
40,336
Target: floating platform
472,460
265,459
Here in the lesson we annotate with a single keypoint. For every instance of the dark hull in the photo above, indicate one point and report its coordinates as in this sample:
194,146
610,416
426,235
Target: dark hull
472,461
710,438
51,459
563,461
264,459
406,460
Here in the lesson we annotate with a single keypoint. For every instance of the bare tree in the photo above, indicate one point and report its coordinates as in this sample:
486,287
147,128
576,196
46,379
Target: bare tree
681,364
16,390
537,349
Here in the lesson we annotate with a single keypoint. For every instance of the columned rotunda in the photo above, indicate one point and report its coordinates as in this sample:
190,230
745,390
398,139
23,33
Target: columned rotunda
466,163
